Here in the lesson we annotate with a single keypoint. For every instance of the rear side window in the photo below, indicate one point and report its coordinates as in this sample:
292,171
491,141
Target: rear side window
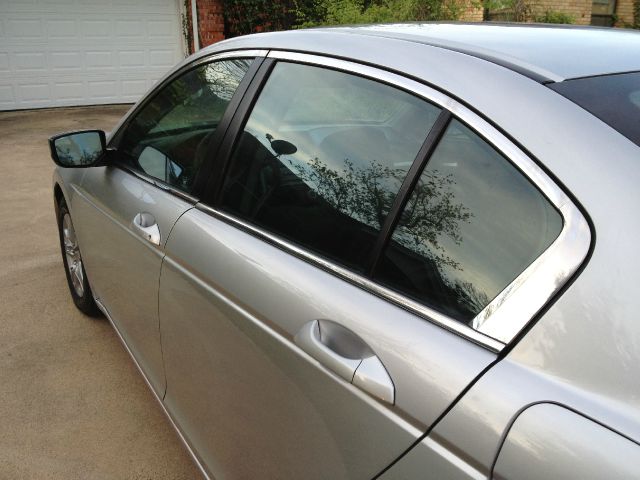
472,224
322,157
168,138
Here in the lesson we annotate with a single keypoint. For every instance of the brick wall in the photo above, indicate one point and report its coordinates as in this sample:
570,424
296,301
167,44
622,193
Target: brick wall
580,10
210,22
473,12
624,12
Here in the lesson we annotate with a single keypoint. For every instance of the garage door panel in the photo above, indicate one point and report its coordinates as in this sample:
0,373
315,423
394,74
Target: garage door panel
61,29
93,29
36,92
131,29
79,52
134,88
22,28
98,59
66,61
70,91
6,96
22,62
160,29
131,58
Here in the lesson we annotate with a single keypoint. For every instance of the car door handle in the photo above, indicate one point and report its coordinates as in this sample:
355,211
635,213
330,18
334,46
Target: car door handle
144,224
343,352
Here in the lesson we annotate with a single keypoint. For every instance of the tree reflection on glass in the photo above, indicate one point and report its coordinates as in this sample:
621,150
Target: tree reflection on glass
432,212
78,149
367,193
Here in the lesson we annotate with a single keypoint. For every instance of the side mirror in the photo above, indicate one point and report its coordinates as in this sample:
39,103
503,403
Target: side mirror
78,149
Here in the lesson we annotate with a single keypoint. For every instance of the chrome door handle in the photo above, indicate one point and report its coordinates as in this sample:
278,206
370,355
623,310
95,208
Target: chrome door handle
362,368
144,224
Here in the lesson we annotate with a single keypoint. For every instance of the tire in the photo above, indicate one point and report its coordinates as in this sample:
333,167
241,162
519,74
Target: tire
73,264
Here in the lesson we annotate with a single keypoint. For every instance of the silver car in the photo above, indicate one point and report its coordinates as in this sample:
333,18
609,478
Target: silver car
398,251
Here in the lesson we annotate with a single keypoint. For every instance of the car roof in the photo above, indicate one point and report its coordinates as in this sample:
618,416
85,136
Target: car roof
546,50
545,53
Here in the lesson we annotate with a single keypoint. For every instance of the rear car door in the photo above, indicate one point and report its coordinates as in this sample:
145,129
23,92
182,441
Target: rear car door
324,305
125,211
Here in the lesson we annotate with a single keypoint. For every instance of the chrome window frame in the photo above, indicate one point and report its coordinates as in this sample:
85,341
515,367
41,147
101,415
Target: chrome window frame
516,305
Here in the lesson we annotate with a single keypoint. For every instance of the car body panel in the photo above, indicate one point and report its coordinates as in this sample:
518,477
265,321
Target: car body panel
549,441
525,49
124,266
543,440
465,443
244,301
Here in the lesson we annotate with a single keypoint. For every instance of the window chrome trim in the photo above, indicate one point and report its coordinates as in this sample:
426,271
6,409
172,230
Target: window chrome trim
357,279
500,321
156,182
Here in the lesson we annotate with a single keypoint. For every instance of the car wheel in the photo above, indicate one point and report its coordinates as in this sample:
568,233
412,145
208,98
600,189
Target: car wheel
73,265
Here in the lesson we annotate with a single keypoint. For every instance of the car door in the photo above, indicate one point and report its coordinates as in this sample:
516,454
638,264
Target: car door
126,210
315,315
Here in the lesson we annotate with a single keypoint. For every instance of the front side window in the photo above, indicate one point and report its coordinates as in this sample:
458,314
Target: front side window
322,157
168,138
472,224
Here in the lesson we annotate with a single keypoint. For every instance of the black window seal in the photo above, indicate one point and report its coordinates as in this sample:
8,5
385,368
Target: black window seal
411,179
212,191
208,168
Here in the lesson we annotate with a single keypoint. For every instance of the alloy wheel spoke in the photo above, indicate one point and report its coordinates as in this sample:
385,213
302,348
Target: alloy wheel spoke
72,253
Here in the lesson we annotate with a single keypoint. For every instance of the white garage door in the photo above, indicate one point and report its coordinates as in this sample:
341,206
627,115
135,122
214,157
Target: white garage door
84,52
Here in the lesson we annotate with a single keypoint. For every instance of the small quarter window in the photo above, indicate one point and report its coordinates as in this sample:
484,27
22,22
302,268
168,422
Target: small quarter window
322,157
168,138
472,224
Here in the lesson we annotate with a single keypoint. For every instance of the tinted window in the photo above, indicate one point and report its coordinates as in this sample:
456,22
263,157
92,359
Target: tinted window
322,157
168,138
471,226
614,99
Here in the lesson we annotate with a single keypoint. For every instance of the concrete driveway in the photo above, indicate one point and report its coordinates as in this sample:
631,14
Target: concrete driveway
72,404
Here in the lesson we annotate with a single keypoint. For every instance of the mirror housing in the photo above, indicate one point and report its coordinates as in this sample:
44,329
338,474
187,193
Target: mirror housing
79,149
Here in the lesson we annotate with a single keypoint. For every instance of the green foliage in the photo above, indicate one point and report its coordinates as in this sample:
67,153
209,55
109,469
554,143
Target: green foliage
346,12
523,11
250,16
553,16
187,32
636,14
508,10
